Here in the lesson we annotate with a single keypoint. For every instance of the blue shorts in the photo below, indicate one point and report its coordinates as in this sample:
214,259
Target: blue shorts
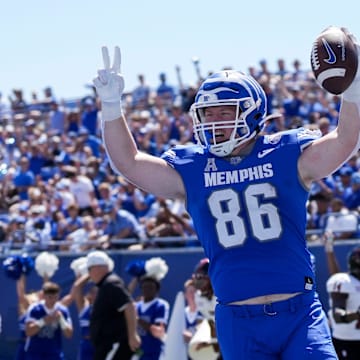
294,329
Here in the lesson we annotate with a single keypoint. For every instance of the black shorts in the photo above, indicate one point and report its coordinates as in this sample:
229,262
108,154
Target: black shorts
113,351
347,349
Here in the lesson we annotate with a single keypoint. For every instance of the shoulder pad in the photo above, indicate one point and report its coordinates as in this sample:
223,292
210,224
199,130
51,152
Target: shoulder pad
181,153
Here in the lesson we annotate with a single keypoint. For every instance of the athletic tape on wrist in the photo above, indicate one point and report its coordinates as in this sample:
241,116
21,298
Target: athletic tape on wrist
40,323
111,111
63,323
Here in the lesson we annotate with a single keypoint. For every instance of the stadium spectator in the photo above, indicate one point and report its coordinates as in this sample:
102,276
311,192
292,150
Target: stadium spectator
84,238
352,198
37,229
17,101
62,188
180,126
106,195
281,71
9,194
342,223
73,220
57,119
121,224
165,91
298,75
24,178
89,116
166,224
15,236
96,172
73,122
319,204
264,73
48,99
59,228
141,94
292,101
343,183
82,188
131,198
144,131
38,156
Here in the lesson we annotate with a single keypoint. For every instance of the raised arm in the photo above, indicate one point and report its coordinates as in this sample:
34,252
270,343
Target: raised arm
147,172
331,259
328,153
23,301
131,323
76,292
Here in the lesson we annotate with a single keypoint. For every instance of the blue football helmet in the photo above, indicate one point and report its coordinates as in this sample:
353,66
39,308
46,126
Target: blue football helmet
229,88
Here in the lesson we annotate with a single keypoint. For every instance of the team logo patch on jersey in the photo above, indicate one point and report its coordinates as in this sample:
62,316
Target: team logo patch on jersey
265,152
308,133
309,283
272,139
170,153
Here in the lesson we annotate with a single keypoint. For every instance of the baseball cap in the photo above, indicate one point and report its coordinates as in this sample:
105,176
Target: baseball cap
98,258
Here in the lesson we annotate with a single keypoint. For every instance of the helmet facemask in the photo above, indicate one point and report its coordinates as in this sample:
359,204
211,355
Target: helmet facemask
205,132
228,88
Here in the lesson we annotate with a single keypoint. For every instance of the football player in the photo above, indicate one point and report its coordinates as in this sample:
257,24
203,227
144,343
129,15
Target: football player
344,300
246,194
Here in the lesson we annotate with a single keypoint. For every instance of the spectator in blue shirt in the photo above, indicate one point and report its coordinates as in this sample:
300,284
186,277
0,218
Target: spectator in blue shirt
89,116
165,91
121,224
24,178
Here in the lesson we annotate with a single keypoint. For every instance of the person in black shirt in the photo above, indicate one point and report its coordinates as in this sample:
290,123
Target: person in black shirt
113,319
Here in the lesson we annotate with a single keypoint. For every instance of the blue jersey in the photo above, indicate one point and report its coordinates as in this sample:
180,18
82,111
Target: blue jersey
250,215
47,343
153,312
20,352
86,351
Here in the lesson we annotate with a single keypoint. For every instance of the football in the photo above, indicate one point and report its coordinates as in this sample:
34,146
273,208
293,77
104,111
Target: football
334,60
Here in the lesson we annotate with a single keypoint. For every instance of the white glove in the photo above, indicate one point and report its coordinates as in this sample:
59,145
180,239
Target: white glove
352,93
110,85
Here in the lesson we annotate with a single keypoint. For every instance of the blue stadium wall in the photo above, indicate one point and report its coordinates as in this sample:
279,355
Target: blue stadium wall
181,263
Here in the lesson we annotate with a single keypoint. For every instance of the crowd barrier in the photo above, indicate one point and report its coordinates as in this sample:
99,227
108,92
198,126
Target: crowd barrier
181,262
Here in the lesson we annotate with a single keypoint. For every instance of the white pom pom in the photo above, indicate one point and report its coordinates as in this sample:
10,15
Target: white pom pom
111,264
79,266
156,267
46,264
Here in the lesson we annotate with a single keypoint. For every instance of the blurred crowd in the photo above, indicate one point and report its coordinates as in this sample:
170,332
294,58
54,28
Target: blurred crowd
59,192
